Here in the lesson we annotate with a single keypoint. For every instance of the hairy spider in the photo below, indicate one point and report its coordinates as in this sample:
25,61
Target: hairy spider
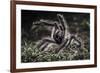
59,33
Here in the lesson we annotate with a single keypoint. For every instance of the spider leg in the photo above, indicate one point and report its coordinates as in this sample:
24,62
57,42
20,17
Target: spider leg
45,22
63,24
43,46
62,21
44,43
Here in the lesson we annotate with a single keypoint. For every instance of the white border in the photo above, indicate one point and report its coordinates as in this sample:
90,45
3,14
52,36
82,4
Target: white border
20,65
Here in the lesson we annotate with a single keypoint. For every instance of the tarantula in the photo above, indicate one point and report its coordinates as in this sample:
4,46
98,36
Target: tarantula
58,35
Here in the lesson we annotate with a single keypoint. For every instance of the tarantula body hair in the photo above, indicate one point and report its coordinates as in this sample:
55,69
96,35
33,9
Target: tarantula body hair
59,34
